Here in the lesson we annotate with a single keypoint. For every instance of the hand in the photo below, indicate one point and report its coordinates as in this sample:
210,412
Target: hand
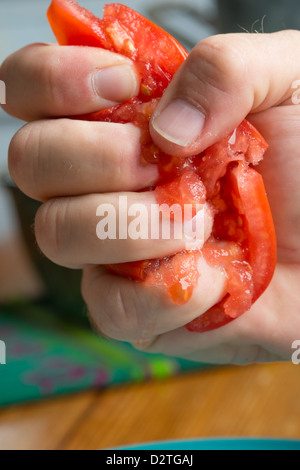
73,165
225,79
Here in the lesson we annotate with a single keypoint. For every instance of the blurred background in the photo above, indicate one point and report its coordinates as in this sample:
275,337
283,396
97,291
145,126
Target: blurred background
51,350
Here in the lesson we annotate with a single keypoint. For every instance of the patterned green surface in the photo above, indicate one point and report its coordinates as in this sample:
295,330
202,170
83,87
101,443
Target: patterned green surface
47,357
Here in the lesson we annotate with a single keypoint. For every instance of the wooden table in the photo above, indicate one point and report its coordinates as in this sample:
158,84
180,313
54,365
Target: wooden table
229,401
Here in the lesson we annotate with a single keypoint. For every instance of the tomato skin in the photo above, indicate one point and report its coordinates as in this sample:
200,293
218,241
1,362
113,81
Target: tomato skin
135,270
213,319
223,175
248,185
73,25
251,201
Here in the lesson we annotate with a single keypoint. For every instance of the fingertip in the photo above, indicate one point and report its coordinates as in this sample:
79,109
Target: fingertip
48,80
179,123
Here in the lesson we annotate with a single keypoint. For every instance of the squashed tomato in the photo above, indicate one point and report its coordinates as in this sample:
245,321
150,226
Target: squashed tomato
243,241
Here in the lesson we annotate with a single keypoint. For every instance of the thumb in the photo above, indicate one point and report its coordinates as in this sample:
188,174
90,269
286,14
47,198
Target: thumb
225,78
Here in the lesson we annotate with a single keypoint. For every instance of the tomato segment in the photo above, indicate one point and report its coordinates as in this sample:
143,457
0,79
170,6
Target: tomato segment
245,144
177,274
248,187
243,240
231,257
135,270
124,31
73,25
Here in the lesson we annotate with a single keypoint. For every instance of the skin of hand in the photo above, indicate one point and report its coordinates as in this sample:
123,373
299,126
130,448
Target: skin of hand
73,166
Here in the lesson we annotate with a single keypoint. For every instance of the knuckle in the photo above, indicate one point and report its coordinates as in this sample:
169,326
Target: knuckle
126,156
220,62
15,155
23,155
114,313
223,53
51,229
59,92
27,161
19,71
122,325
50,76
50,73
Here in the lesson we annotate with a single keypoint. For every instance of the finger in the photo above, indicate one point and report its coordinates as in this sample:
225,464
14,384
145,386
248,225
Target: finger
129,311
67,158
111,228
45,80
189,346
225,78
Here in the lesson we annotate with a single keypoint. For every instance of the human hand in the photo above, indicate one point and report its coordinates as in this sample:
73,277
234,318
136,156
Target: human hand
227,78
233,72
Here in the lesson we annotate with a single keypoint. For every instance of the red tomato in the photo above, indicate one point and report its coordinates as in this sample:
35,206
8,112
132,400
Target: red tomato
243,240
124,31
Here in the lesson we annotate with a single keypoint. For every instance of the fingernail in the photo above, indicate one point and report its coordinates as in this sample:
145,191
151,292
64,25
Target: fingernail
180,123
144,343
117,83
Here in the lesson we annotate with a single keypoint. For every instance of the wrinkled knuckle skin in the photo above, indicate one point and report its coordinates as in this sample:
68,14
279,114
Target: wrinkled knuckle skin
59,93
50,233
54,95
50,74
15,157
125,154
120,319
111,312
22,153
22,73
126,157
220,60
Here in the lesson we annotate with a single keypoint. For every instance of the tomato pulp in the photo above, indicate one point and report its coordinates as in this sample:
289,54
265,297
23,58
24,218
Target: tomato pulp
242,241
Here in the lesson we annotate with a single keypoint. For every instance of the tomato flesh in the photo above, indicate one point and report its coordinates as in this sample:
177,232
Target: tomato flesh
243,241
